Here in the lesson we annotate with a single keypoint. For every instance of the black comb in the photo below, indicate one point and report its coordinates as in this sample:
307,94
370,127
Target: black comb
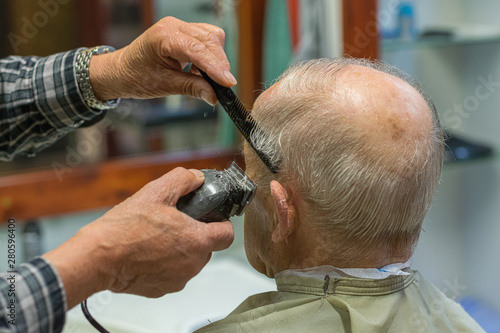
239,115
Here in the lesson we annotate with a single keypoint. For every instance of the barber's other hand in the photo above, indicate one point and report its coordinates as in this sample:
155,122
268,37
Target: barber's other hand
143,246
151,66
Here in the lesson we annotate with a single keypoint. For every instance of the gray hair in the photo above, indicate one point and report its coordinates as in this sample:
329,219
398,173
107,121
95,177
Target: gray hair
350,187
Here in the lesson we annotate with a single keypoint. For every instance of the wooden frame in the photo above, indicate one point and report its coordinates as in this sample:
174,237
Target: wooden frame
360,28
93,17
31,195
250,37
147,13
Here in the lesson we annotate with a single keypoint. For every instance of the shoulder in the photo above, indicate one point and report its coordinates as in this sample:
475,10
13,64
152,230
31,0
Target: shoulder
280,312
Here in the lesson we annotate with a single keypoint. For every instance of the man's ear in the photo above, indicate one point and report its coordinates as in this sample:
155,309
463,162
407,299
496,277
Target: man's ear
285,212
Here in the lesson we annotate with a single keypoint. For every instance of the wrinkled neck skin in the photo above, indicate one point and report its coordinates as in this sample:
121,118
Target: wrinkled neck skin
319,249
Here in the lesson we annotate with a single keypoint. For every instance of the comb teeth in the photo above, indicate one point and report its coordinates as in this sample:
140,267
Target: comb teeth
239,115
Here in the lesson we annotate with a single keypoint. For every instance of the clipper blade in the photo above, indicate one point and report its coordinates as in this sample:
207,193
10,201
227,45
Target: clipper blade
245,184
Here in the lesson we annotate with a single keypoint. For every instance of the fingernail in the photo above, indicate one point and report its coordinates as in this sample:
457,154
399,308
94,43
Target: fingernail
205,96
197,173
230,77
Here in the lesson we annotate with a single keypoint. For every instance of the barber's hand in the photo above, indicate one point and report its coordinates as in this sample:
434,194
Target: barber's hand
143,246
151,66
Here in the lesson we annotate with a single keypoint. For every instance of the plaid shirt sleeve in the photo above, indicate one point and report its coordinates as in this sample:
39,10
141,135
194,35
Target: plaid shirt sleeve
40,102
32,299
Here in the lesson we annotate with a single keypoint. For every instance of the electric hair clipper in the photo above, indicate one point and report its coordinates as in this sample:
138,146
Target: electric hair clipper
222,195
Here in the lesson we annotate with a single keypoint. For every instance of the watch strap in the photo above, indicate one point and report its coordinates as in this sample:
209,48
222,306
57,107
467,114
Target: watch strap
82,62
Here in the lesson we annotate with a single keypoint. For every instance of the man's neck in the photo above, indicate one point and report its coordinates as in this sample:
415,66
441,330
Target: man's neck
314,254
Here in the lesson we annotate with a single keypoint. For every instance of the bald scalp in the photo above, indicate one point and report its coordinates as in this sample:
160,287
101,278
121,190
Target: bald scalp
360,142
387,114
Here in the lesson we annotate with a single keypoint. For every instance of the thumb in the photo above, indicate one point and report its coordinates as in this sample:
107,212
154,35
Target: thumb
221,235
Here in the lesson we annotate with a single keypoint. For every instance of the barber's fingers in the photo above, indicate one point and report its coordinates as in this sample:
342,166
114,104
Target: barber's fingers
190,84
220,235
212,36
212,32
172,185
185,48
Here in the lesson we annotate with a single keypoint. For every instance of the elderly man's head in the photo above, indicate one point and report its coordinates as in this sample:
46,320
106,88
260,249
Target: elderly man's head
360,151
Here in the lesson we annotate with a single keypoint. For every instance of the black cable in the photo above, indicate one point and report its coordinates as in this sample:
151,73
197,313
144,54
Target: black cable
91,319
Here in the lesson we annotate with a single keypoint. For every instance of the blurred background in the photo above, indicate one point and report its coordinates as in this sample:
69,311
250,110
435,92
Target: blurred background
451,46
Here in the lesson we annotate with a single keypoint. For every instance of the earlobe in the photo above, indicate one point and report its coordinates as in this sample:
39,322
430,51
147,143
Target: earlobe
285,213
